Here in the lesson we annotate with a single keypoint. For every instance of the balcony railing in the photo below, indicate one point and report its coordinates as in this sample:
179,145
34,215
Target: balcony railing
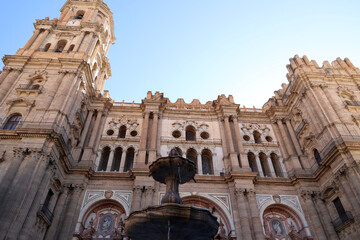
45,214
343,221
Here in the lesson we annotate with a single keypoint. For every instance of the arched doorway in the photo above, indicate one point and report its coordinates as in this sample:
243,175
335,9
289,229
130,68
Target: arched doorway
282,223
202,202
103,220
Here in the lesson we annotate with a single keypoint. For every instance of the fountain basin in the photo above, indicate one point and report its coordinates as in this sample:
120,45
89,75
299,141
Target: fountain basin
185,223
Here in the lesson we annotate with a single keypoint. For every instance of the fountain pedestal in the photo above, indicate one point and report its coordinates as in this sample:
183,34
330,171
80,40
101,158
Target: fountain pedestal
172,220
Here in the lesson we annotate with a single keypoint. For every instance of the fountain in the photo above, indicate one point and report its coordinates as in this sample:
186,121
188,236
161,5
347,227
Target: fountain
172,220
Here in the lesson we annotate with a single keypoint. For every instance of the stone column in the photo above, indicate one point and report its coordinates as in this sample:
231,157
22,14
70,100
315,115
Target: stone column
85,43
86,127
32,201
255,216
324,214
101,129
199,163
122,162
233,156
243,157
110,161
63,14
136,200
313,215
67,226
271,167
228,134
95,129
293,137
58,212
223,144
159,133
258,165
285,137
32,39
140,160
10,174
4,74
236,216
12,203
345,186
40,39
281,140
243,213
149,196
8,82
354,179
153,138
79,39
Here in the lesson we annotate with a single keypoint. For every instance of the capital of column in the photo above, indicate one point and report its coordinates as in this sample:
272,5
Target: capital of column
251,193
149,190
137,189
240,192
306,195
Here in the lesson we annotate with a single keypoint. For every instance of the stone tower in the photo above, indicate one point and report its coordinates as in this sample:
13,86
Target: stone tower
51,88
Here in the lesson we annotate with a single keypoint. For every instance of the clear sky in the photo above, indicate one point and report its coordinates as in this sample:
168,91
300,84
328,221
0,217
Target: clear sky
202,48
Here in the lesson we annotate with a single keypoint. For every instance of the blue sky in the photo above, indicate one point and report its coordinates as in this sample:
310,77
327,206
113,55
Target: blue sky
202,48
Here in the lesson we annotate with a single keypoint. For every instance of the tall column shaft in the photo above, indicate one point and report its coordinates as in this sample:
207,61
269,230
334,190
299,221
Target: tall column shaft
314,217
136,201
243,157
259,167
281,140
12,203
199,164
243,213
110,161
26,231
67,227
324,214
8,82
154,132
32,39
4,74
293,137
59,208
228,135
40,39
10,174
95,128
122,162
255,216
144,131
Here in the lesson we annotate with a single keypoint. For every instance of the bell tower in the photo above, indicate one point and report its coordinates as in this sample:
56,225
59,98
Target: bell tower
52,107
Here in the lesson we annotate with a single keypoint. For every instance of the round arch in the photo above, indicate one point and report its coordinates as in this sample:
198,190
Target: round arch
102,219
217,210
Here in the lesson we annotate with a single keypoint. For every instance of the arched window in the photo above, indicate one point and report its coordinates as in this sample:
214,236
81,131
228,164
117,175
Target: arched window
257,137
206,158
71,48
47,47
190,133
12,122
104,159
317,156
252,162
122,131
276,163
60,46
129,161
264,164
80,14
191,154
117,159
179,151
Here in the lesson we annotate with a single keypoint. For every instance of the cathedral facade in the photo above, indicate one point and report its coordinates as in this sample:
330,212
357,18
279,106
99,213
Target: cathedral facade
74,163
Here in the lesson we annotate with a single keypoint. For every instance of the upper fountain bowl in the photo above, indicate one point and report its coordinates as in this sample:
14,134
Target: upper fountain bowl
182,168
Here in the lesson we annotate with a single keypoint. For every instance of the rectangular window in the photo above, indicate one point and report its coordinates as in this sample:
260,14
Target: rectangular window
48,198
340,209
